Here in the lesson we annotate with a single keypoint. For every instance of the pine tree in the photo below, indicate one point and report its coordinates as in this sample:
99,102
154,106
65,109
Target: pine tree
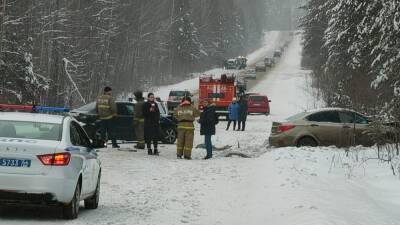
17,69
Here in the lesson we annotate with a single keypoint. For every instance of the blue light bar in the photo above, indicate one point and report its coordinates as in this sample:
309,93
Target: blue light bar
40,108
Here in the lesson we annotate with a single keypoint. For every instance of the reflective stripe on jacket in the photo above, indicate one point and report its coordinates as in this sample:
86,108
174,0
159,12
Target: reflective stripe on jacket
106,107
186,114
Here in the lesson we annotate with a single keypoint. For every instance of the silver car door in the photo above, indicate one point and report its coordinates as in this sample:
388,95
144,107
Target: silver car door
361,131
326,127
355,129
347,134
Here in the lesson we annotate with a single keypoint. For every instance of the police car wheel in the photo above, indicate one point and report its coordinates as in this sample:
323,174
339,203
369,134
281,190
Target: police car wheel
71,210
170,136
93,202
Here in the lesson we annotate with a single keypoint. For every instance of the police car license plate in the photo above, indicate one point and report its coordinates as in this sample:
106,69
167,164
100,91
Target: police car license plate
15,162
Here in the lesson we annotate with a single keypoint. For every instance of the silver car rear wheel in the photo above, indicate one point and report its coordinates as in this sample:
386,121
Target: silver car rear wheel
307,141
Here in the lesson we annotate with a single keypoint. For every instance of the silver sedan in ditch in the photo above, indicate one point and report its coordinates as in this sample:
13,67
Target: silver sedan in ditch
47,159
329,126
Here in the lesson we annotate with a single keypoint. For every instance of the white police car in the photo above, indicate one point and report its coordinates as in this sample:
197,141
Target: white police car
47,159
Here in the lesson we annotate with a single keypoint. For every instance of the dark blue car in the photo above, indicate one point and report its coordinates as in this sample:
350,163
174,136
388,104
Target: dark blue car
124,122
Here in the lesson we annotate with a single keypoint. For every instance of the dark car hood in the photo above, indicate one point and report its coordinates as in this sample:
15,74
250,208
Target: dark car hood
86,113
89,109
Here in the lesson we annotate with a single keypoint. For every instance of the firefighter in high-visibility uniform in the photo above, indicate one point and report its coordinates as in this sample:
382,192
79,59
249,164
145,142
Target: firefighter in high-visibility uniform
106,110
186,114
138,120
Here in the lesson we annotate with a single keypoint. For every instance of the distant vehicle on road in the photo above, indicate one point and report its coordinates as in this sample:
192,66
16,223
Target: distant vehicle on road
323,127
49,161
277,53
175,97
250,74
269,62
230,64
237,63
260,67
286,44
241,62
258,104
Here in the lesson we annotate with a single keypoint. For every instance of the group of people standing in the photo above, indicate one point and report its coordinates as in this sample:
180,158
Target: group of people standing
237,113
146,123
186,114
146,120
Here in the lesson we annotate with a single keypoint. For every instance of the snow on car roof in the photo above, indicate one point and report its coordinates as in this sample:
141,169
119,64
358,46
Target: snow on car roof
327,109
31,117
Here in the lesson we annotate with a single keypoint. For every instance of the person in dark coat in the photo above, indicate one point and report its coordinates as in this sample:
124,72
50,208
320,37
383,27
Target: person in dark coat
151,115
208,120
243,111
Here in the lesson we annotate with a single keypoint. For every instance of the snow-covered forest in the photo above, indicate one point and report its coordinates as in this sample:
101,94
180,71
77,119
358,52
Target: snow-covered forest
62,52
353,47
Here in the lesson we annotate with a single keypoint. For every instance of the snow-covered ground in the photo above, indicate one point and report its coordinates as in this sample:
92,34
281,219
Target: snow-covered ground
285,186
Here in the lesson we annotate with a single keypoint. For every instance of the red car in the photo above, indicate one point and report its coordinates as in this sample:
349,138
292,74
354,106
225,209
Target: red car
258,104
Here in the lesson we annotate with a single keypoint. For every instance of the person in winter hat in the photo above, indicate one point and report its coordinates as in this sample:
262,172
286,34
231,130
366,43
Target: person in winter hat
233,110
243,111
208,120
106,110
151,115
186,114
138,120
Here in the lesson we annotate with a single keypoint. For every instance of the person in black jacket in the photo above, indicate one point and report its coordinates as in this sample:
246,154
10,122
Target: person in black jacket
151,115
243,111
208,120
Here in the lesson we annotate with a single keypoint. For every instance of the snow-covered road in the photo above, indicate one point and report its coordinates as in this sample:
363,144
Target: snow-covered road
286,186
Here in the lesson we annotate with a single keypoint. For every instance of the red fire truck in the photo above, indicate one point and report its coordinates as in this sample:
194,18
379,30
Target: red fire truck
219,91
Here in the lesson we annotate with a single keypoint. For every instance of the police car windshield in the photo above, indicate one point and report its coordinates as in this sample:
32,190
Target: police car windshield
30,130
